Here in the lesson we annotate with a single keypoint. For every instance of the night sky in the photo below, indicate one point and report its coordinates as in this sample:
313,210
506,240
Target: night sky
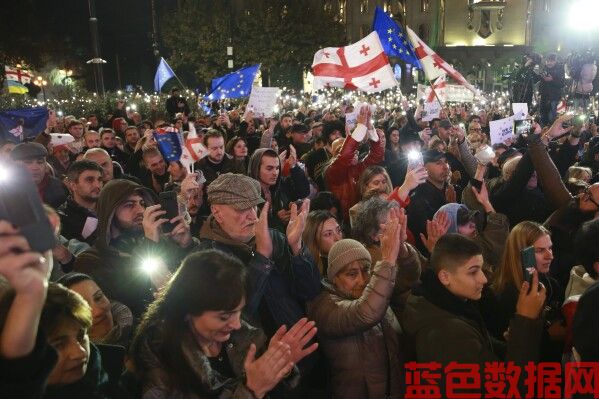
57,32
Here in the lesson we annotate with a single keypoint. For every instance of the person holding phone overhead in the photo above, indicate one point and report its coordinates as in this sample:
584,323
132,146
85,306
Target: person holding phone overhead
530,242
130,233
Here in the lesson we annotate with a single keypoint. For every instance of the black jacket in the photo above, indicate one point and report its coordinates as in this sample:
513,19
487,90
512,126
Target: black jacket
425,200
552,90
212,170
72,220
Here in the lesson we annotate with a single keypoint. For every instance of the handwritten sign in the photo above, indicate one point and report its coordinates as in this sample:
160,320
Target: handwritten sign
263,100
431,111
501,130
520,111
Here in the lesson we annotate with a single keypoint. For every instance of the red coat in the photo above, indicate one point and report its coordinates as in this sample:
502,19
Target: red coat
341,176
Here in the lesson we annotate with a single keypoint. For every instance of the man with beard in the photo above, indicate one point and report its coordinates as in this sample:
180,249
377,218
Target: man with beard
132,258
157,175
78,214
192,195
217,162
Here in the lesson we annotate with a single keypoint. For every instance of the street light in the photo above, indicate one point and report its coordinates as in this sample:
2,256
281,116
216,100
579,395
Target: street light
40,82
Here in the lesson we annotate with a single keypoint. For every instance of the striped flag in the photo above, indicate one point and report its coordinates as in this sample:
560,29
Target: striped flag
16,87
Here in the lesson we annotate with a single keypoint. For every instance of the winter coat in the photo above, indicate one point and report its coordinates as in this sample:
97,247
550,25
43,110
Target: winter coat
285,190
552,90
155,380
52,191
425,200
115,264
73,218
211,170
360,337
580,280
444,328
279,287
341,176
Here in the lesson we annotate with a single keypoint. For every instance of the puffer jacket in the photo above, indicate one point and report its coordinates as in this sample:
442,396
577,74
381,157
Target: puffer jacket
361,337
155,381
341,176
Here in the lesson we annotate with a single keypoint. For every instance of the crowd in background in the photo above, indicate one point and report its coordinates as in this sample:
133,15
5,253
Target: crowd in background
311,257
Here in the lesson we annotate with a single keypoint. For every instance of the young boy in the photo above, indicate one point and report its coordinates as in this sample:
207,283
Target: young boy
442,321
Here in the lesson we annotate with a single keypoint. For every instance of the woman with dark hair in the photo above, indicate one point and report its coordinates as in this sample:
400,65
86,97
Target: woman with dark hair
112,322
392,147
321,232
237,147
192,342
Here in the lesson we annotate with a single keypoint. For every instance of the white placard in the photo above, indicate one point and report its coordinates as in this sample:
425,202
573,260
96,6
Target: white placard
520,111
501,130
431,111
263,100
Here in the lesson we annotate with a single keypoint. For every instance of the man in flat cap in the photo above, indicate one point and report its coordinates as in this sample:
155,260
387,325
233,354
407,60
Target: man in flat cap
282,274
33,157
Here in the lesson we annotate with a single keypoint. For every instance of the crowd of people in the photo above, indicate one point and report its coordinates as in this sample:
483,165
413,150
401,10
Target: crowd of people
310,257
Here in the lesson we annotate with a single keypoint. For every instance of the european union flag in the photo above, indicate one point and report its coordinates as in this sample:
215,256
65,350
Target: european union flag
163,73
234,85
395,42
19,124
169,143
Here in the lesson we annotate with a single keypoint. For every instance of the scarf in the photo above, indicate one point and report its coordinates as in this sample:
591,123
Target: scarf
211,230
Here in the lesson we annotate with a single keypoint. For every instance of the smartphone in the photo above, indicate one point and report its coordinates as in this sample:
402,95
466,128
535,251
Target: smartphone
523,126
529,262
477,184
20,204
415,160
168,203
299,203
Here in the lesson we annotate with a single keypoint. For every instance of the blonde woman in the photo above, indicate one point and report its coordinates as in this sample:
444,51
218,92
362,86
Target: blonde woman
321,232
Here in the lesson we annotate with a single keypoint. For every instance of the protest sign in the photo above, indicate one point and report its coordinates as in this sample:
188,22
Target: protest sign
501,130
520,111
453,93
263,100
431,111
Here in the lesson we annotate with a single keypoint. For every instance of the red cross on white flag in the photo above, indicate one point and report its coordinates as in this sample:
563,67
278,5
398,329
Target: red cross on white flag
439,86
433,65
359,66
17,74
193,150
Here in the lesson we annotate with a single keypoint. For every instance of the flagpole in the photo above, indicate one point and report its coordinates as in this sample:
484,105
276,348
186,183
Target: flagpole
438,99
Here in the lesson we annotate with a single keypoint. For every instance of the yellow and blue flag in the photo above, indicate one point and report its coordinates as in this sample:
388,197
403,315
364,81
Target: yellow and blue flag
15,87
234,85
394,40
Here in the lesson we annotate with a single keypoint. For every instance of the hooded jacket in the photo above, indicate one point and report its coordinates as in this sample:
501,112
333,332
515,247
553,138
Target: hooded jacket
284,191
361,337
491,237
115,264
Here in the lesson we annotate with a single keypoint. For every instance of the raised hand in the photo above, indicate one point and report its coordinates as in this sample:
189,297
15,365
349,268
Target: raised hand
415,177
297,338
435,229
364,116
181,233
152,222
390,238
297,223
483,197
263,238
264,373
532,298
557,129
292,156
450,194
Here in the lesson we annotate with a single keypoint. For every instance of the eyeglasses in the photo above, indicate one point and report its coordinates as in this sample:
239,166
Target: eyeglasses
587,193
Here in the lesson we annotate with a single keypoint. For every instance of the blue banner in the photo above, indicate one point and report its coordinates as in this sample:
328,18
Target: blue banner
234,85
17,125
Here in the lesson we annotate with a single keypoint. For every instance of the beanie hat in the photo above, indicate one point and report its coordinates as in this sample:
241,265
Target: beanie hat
342,253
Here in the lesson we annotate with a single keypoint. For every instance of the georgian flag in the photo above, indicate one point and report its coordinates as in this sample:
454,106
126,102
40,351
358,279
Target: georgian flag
193,150
439,86
433,65
359,66
17,74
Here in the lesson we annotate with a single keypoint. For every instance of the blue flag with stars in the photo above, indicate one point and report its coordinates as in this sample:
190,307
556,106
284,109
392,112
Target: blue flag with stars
394,40
169,143
234,85
163,73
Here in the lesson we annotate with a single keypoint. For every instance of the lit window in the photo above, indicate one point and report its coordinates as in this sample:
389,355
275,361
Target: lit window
364,6
425,5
